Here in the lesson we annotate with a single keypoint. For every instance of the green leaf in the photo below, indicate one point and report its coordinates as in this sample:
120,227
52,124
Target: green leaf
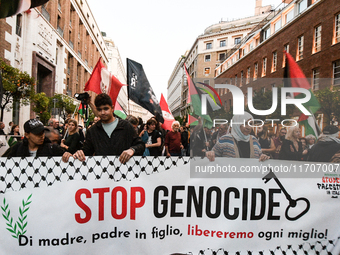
20,211
24,217
5,217
10,230
26,209
15,237
15,227
19,225
25,225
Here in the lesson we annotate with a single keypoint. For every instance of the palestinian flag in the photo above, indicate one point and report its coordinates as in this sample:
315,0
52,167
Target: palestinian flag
102,81
294,77
11,7
311,127
81,111
194,98
167,116
118,111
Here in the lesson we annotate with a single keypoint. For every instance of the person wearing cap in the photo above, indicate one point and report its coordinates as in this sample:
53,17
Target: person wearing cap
328,144
34,144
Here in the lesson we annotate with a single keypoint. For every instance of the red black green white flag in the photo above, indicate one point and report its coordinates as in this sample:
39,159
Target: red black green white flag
118,111
294,77
311,127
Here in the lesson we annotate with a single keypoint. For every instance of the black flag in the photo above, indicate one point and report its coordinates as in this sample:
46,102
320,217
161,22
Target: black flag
11,7
140,91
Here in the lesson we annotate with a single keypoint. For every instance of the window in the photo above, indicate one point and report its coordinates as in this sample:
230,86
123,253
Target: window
336,72
299,54
248,75
221,56
316,76
286,49
223,43
266,33
18,25
317,39
206,82
208,46
207,58
264,67
274,61
207,70
303,5
277,26
256,70
235,79
241,82
337,29
251,46
289,16
237,40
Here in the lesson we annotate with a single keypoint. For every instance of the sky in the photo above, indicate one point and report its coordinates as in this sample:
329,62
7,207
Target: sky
156,33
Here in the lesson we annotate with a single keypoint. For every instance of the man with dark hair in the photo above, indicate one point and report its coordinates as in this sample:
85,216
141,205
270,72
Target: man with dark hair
34,144
110,135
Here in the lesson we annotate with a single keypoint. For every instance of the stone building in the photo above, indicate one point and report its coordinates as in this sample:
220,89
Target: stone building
58,43
213,47
309,30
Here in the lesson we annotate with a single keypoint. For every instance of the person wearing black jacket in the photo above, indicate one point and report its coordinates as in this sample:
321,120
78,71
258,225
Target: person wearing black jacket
110,135
327,146
34,144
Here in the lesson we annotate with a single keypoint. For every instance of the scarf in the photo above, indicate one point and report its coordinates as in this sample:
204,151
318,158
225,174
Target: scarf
236,131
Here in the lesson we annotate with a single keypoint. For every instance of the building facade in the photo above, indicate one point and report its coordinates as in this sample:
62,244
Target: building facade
176,84
58,44
211,49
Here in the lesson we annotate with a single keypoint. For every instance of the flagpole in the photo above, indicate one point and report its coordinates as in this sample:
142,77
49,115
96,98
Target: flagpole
77,107
205,136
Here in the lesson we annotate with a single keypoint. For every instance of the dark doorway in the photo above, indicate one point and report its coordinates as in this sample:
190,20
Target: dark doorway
45,79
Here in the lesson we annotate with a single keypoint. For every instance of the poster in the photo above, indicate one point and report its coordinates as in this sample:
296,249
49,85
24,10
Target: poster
167,211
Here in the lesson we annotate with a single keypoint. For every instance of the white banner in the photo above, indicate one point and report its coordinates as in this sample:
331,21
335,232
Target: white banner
167,213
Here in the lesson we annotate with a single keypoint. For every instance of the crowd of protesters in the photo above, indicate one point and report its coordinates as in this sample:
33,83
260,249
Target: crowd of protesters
109,135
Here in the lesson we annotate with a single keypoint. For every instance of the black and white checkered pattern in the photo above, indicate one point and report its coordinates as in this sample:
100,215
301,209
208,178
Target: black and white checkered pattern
20,173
